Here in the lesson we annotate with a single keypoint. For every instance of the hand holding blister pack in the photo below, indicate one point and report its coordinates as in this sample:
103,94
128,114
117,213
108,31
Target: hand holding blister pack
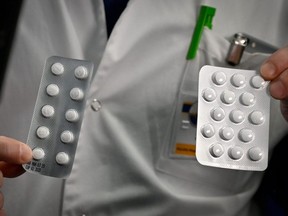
58,115
233,119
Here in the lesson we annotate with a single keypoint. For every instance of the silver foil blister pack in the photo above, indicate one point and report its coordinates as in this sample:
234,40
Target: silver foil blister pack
233,119
58,115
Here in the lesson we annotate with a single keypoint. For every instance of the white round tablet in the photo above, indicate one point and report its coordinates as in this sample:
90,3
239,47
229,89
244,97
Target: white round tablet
208,131
256,117
76,94
38,153
57,68
216,150
217,114
209,94
255,154
246,135
42,132
237,116
236,153
219,78
226,133
257,82
81,72
72,115
67,137
247,99
238,80
228,97
52,90
47,111
62,158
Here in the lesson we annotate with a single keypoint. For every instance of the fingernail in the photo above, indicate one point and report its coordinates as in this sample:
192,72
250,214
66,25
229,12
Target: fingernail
26,153
268,70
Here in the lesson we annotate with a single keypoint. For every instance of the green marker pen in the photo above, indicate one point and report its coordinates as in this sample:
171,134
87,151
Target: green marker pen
205,19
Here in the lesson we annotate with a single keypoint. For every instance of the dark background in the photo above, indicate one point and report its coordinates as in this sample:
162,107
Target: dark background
10,11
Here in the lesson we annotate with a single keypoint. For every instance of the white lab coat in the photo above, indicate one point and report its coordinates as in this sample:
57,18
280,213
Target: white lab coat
120,168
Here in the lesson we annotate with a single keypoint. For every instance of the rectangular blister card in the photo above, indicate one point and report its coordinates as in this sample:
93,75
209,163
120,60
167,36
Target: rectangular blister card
58,115
233,119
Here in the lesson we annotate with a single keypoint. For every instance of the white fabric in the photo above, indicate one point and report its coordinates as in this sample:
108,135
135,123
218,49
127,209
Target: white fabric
119,167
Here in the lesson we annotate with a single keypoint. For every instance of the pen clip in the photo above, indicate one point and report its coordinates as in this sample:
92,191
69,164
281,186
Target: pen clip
205,18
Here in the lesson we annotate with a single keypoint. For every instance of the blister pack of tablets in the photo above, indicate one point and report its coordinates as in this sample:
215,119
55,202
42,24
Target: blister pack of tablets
233,119
58,115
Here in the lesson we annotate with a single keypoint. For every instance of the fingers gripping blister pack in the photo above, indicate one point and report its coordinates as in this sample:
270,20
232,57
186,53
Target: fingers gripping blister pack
233,119
58,115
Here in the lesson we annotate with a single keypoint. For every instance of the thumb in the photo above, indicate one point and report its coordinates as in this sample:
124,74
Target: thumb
13,151
284,109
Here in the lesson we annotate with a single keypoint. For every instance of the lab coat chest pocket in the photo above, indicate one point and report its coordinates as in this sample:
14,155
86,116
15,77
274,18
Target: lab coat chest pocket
177,156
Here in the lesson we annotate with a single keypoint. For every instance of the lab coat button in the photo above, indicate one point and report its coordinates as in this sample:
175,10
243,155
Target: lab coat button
96,105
